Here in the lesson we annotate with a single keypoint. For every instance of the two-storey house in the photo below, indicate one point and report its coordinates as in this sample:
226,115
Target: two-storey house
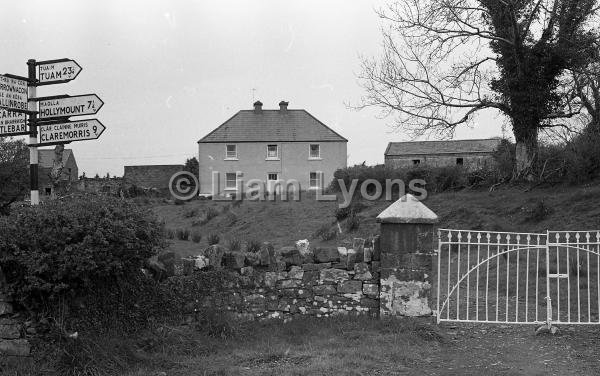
270,146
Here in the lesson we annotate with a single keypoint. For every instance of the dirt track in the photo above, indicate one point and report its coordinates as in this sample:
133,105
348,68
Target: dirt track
516,350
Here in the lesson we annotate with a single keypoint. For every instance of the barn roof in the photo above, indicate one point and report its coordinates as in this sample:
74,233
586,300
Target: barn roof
272,126
442,147
46,157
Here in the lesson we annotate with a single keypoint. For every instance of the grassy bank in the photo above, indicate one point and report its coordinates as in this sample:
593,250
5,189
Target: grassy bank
282,223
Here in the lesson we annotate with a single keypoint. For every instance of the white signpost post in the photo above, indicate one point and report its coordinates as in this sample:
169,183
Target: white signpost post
82,130
13,94
65,106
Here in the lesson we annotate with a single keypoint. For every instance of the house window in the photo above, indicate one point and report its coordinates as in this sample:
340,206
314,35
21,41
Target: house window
272,176
230,180
314,180
315,151
272,152
231,152
460,161
416,162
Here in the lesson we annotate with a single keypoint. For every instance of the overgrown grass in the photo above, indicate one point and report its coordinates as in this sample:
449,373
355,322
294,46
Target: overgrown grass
196,237
234,244
183,234
326,232
220,346
253,246
213,239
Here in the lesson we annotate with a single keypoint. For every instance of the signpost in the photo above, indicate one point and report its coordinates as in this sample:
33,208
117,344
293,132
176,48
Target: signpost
18,96
65,106
57,71
13,94
51,134
12,124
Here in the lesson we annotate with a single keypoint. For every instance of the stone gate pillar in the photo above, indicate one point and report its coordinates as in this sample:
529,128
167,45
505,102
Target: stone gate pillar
406,244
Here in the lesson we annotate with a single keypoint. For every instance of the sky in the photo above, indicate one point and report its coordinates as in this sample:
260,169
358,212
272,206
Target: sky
169,72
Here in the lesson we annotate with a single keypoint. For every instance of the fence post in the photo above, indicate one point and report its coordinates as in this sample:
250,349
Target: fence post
406,244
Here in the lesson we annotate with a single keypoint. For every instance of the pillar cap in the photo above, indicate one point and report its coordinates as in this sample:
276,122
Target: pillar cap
408,209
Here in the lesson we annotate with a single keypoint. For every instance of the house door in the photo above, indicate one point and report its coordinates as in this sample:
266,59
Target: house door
272,186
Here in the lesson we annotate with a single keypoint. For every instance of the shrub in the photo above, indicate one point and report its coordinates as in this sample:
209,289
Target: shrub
142,200
343,213
170,233
190,213
253,246
218,324
183,234
448,178
504,160
234,244
485,177
580,158
69,245
538,212
213,239
196,237
325,232
211,213
353,222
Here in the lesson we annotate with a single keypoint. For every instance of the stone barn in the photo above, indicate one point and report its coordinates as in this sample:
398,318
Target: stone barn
151,176
472,154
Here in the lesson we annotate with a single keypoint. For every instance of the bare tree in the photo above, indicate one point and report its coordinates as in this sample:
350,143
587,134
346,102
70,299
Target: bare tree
444,61
586,83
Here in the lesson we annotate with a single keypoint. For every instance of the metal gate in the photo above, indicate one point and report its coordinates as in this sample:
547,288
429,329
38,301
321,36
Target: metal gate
518,278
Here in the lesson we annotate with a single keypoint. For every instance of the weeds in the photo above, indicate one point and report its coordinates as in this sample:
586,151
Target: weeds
253,246
196,237
213,239
211,213
234,244
538,212
183,234
326,233
190,213
353,222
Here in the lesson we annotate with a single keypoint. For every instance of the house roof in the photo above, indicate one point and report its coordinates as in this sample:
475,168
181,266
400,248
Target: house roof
442,147
272,126
46,157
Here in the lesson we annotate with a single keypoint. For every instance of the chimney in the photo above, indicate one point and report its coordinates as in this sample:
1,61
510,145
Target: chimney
283,106
257,107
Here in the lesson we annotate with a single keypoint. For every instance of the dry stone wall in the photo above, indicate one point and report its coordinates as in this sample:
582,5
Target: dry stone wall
286,282
12,341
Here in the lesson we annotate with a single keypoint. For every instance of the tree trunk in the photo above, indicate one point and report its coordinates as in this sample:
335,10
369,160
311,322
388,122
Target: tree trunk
526,151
